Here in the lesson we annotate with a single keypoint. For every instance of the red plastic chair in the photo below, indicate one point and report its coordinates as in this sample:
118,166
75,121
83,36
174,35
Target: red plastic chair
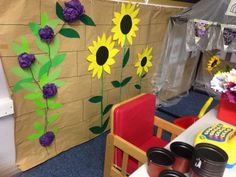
132,124
187,121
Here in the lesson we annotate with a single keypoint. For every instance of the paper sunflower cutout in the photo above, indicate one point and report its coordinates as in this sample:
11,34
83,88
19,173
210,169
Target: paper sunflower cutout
125,24
213,63
144,61
102,53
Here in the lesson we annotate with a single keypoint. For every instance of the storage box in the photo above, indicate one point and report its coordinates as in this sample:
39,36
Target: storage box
227,110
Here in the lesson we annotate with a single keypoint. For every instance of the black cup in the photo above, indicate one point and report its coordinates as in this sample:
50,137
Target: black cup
159,159
209,160
171,173
183,156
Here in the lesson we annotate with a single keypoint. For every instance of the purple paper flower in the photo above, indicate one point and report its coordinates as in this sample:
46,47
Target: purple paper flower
46,34
231,92
200,29
228,35
49,90
25,60
47,139
73,10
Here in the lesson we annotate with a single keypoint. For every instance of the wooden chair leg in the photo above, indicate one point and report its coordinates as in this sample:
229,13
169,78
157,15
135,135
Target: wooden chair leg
109,155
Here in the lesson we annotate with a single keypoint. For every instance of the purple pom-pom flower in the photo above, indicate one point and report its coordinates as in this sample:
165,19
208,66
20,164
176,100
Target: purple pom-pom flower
46,139
73,10
25,60
229,35
46,34
49,90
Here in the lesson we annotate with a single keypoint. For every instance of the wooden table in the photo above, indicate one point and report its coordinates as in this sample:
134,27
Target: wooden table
188,136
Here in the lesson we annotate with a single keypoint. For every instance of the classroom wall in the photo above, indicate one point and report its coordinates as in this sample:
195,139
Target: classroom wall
77,113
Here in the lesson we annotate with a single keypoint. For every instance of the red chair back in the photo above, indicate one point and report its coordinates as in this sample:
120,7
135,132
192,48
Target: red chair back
133,121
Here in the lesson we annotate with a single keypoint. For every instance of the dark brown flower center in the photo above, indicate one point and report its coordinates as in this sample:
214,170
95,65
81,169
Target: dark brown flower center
214,63
126,24
102,55
144,61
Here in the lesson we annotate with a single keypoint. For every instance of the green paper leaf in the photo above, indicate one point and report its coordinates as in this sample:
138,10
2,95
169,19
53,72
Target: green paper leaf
54,74
21,72
98,130
59,83
43,80
87,20
39,127
137,86
125,81
143,75
54,47
40,112
52,118
33,96
116,84
34,28
30,87
53,23
25,45
55,130
53,105
96,99
42,58
44,19
44,70
18,86
40,104
126,58
59,11
69,32
41,45
34,136
17,49
107,109
58,59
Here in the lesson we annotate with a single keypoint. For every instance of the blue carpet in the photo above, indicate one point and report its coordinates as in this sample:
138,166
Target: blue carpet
85,160
189,105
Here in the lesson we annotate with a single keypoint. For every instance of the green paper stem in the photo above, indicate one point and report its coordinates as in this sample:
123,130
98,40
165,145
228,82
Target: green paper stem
60,29
46,109
102,87
140,83
46,117
121,73
36,82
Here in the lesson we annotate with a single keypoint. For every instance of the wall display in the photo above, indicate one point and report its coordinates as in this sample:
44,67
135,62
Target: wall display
101,58
124,30
35,70
143,63
75,32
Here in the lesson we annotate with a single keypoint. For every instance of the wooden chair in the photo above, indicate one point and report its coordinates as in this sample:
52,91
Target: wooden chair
132,125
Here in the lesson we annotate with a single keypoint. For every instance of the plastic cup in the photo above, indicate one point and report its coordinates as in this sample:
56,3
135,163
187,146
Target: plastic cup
171,173
159,159
183,155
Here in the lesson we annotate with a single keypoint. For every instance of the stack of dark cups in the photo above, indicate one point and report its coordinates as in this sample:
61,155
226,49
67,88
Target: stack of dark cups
174,163
205,160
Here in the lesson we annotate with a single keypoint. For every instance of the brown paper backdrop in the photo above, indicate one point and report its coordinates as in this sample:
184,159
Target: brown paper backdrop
77,114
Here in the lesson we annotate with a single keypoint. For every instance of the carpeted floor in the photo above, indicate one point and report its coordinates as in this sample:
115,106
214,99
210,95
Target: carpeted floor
87,159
